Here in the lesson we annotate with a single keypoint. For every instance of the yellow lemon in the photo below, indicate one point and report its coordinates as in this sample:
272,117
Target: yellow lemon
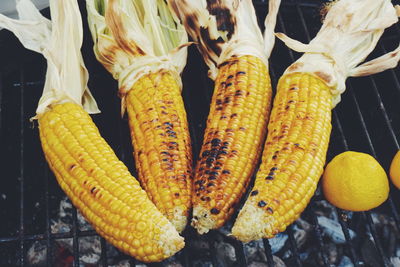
355,181
395,170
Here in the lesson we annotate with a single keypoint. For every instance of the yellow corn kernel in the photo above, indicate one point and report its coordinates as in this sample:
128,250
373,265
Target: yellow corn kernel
233,140
162,147
96,194
293,157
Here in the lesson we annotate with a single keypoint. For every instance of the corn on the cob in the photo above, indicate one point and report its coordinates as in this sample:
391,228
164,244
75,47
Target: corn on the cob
299,127
293,157
147,63
87,169
232,46
102,188
160,136
233,140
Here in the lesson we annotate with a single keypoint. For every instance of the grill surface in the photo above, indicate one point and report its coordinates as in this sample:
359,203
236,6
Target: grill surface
367,120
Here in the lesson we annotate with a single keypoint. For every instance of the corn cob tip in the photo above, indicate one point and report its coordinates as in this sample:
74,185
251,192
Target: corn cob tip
202,220
253,223
170,241
179,218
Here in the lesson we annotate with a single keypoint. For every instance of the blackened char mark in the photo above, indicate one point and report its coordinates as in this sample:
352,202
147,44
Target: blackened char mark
225,20
212,44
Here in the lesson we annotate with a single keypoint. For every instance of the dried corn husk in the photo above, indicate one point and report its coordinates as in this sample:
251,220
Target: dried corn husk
233,32
349,33
67,76
134,38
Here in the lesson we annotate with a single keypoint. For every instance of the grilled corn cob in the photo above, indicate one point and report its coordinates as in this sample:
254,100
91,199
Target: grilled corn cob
300,123
232,46
101,187
160,136
293,157
147,63
86,168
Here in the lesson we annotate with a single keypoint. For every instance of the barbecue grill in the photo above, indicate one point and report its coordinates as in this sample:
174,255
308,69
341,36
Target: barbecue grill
31,202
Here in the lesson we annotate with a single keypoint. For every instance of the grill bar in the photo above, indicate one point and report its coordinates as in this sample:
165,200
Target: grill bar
21,173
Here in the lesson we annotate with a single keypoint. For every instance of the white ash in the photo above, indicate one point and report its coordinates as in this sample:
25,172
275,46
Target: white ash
255,251
395,261
4,196
346,262
37,254
225,253
258,264
278,262
124,263
173,264
278,242
333,230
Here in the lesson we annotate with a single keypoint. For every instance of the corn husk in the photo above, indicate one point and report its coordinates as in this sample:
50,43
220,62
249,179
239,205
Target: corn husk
349,33
59,40
234,33
134,38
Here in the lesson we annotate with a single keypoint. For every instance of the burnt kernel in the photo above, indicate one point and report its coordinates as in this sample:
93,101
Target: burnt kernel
274,169
162,152
217,168
224,147
202,188
205,153
213,173
219,102
201,169
271,173
164,113
219,108
207,172
225,143
254,193
164,159
199,182
227,100
222,152
173,143
269,177
226,172
240,72
234,115
150,109
210,160
214,211
270,210
215,142
242,129
230,76
92,190
210,184
203,198
290,101
223,117
72,166
168,123
208,198
176,194
262,203
294,88
229,84
212,178
287,107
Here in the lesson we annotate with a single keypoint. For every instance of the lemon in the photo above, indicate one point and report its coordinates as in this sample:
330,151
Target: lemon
395,170
355,181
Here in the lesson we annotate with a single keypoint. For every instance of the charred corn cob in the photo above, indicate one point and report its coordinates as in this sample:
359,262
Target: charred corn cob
233,140
293,157
147,62
86,168
233,48
102,188
160,136
300,123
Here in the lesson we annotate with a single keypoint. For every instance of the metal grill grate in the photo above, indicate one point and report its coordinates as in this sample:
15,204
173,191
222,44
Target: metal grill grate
367,119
